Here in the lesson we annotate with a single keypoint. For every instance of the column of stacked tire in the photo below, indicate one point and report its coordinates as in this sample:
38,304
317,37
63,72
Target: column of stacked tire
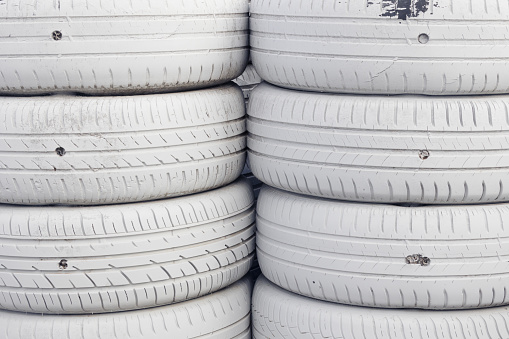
123,203
387,215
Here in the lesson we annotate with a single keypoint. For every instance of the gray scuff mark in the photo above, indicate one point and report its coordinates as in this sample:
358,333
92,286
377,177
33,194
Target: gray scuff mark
384,70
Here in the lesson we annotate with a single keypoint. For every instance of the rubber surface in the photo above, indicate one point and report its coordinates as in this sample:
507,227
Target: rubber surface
224,314
382,46
281,314
450,150
356,254
108,150
110,47
123,257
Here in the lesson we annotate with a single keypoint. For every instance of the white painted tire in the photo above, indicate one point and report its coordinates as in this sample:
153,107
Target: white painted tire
224,314
111,48
248,81
355,254
72,260
381,149
278,314
448,48
119,150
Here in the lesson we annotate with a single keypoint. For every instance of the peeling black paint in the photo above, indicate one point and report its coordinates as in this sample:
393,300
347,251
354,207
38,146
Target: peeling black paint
404,9
421,6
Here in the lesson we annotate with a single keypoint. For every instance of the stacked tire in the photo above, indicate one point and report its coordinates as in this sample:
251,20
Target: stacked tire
122,142
384,216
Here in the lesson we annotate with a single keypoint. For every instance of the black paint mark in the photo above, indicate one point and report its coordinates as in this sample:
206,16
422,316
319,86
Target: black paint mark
421,6
404,9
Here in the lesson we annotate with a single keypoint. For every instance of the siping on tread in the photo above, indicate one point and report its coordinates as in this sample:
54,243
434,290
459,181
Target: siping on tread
280,314
224,314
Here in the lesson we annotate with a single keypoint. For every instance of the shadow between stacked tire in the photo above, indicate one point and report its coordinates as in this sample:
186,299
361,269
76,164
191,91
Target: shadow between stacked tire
122,141
247,82
385,212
